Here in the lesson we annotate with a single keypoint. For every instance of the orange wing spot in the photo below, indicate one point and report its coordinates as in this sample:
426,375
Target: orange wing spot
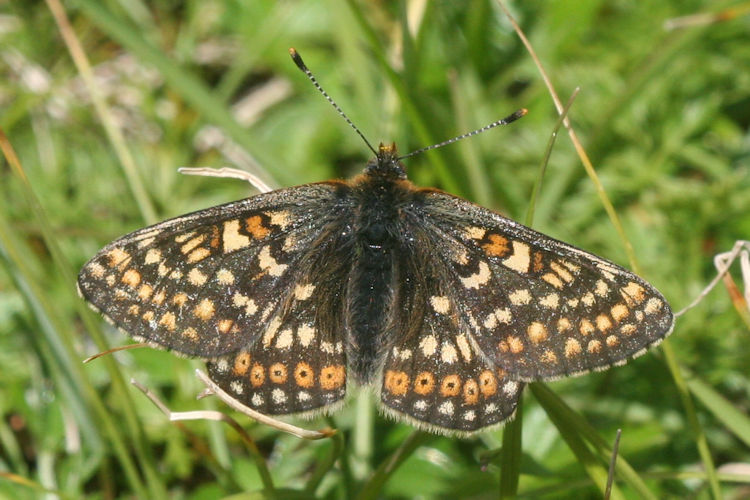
603,323
148,316
538,264
256,228
586,327
168,321
501,373
215,237
450,386
619,312
332,377
612,341
179,299
487,383
131,277
503,346
572,348
134,310
145,291
537,332
397,383
594,346
277,373
424,384
471,392
515,344
304,375
204,310
242,363
549,357
497,247
257,375
225,325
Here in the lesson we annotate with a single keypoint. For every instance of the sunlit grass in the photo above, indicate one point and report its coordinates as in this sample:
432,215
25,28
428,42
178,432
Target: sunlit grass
662,115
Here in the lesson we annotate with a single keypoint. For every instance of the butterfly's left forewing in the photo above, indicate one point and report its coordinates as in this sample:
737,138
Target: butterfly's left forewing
208,283
540,308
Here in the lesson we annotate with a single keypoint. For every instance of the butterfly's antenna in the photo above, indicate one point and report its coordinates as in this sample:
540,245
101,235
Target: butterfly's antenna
508,119
301,65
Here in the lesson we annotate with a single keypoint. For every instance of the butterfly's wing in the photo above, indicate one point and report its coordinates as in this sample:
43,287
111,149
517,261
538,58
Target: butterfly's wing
539,308
253,286
208,283
433,373
299,363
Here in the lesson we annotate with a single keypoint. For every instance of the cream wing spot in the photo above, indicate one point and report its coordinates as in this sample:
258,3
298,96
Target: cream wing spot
231,237
537,332
572,348
196,277
153,256
204,310
481,277
303,292
268,263
224,277
553,280
440,304
551,301
520,297
464,347
475,233
520,259
306,334
653,306
285,339
448,353
428,345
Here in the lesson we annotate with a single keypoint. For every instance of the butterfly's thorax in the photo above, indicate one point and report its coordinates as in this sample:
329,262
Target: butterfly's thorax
380,194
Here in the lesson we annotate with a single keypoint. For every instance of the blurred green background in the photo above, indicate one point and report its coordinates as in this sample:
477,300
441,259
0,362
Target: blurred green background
663,114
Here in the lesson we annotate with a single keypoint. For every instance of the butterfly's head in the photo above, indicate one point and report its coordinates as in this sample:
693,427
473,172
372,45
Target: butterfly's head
386,163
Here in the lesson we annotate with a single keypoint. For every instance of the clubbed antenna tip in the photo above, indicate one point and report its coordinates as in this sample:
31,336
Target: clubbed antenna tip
301,65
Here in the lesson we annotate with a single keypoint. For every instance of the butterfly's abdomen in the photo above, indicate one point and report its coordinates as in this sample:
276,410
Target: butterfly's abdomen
374,275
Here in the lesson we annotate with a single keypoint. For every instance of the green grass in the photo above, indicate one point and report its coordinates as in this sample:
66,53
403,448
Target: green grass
663,115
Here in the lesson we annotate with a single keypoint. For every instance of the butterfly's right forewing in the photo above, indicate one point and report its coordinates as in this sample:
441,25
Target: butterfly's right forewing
208,283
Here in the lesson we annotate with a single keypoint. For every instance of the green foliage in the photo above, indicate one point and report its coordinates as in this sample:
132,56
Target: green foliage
662,114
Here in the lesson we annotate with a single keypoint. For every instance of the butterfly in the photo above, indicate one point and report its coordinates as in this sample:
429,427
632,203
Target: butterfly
445,307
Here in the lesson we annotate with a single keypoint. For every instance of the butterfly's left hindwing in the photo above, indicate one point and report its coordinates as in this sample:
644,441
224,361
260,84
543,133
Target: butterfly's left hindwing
539,308
433,372
207,284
